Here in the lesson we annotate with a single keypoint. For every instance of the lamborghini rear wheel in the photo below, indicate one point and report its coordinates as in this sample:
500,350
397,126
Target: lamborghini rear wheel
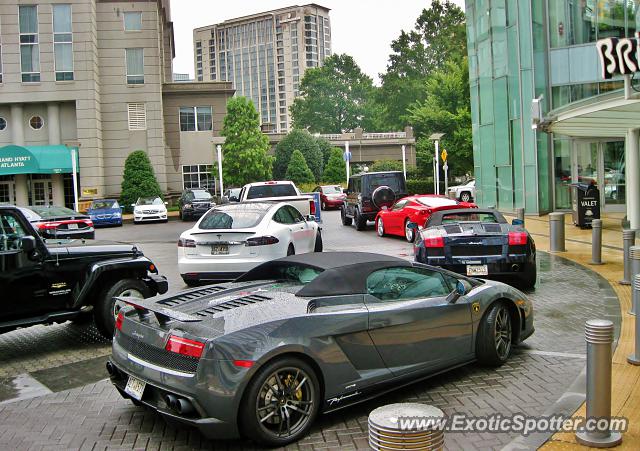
281,402
493,342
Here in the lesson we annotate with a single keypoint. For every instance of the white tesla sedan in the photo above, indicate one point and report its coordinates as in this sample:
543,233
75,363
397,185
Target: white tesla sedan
231,239
148,209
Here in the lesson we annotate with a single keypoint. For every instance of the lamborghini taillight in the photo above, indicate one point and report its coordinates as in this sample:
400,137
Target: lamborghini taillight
517,238
184,346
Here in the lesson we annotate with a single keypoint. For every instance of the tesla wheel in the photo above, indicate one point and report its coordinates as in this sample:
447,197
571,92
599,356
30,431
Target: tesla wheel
291,250
106,308
318,246
465,196
409,234
380,227
361,222
347,221
493,344
281,402
529,276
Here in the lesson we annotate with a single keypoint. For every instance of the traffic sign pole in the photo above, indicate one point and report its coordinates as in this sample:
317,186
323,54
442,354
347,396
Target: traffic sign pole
446,169
437,174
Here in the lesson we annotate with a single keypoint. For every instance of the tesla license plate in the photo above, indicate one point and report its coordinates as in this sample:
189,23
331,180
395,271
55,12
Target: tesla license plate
135,387
220,249
72,226
477,270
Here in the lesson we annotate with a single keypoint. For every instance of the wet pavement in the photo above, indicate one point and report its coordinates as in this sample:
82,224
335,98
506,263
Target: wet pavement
58,370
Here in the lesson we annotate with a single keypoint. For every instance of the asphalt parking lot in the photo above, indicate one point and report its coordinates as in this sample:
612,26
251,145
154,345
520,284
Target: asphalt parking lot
53,394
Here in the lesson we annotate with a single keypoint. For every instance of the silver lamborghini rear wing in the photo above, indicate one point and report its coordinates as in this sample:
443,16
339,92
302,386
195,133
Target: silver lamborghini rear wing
163,314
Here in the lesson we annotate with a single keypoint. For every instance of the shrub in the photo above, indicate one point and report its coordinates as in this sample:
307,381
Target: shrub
138,180
335,171
298,171
308,145
420,186
385,165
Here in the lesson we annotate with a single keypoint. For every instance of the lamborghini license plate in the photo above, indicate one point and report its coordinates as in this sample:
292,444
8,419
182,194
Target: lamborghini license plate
135,387
220,249
477,270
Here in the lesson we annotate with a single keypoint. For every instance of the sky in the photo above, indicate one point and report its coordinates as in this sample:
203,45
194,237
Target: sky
363,29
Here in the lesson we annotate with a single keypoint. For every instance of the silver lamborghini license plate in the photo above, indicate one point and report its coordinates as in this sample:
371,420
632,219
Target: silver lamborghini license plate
220,249
477,270
135,387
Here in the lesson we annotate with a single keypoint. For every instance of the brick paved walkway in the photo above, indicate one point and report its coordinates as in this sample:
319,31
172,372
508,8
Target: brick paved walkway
95,417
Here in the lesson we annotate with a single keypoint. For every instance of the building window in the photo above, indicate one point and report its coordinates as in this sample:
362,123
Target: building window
29,50
36,122
63,42
198,118
135,66
198,176
133,21
3,124
137,116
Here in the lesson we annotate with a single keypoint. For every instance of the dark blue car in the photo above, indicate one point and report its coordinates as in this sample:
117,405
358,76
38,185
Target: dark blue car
105,212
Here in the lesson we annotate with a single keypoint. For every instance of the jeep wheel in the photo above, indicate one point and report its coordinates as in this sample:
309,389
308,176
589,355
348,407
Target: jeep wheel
106,309
361,221
345,219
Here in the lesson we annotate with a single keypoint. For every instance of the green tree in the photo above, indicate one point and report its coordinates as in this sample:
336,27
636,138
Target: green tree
334,98
297,170
325,147
245,158
308,145
139,179
335,171
446,109
386,165
439,36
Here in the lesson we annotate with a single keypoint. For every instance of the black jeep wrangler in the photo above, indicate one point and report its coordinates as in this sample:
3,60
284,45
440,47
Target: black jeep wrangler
368,192
51,281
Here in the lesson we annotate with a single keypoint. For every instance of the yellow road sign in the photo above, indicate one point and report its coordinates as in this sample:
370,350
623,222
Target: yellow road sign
443,154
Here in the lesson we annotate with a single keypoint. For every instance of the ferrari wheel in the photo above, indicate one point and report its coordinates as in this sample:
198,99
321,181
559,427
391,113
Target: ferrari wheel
380,227
409,233
281,402
493,344
465,196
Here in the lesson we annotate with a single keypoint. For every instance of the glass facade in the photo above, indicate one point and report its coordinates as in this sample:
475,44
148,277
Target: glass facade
540,49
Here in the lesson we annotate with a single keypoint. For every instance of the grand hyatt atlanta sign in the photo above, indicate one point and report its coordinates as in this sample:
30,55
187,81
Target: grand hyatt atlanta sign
619,56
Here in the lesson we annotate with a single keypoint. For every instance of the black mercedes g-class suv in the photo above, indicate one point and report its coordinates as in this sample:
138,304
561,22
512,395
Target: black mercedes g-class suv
368,192
55,280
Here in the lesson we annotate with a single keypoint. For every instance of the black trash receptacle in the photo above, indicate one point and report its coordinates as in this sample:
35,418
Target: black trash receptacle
586,204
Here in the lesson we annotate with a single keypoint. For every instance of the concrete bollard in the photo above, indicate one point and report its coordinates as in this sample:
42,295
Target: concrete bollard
634,358
520,214
556,232
596,242
599,337
386,431
628,240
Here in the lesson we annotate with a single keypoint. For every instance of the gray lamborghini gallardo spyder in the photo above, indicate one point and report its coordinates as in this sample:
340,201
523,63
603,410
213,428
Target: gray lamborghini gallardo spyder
306,334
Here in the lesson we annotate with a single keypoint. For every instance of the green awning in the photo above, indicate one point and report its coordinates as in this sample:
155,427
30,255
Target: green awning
36,160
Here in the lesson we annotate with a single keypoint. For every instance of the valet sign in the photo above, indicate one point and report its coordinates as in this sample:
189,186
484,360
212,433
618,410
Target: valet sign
619,56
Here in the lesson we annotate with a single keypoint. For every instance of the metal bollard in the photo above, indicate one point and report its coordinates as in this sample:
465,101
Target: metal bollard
634,259
599,337
634,358
628,240
596,242
386,432
556,232
520,214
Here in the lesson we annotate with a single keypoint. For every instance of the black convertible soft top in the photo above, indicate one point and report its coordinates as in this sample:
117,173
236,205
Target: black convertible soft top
436,217
343,273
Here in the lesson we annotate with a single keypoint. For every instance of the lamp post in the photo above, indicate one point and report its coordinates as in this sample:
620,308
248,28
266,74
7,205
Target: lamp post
347,157
218,142
436,137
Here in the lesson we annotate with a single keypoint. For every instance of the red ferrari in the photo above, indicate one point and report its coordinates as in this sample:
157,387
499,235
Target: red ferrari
394,220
